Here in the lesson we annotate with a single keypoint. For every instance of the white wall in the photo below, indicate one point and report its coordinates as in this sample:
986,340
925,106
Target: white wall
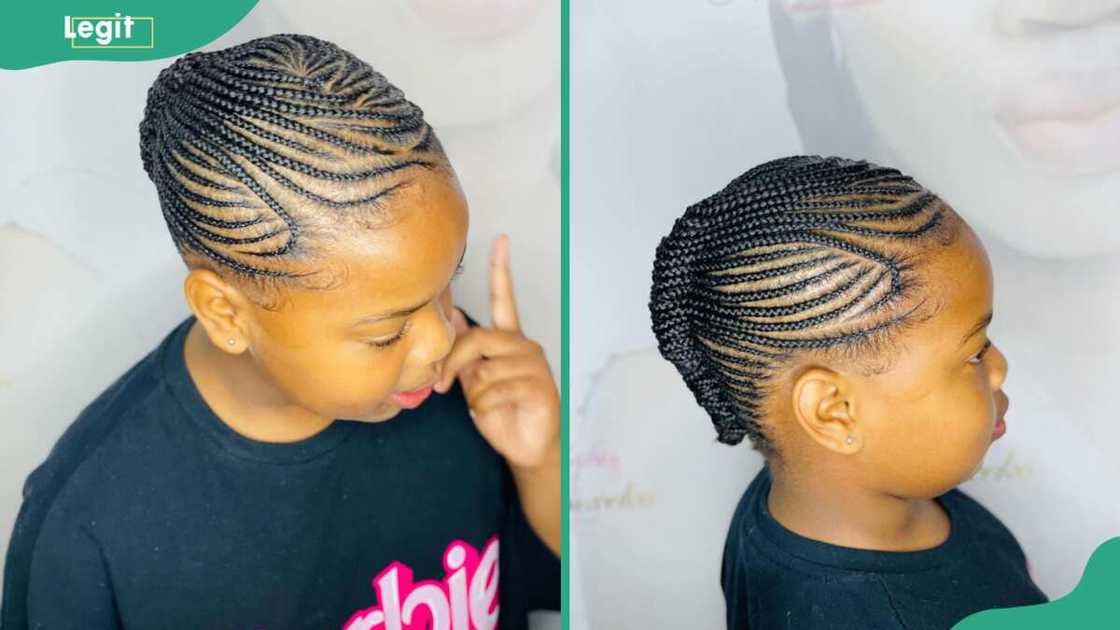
89,279
1003,107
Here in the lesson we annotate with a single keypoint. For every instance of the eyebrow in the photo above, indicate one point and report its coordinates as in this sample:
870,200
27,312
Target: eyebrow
984,321
404,312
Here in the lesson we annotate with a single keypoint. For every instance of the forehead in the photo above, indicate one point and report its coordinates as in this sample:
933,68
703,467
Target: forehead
402,262
957,281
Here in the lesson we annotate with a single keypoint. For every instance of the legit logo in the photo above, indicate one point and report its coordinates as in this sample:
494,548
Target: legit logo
110,32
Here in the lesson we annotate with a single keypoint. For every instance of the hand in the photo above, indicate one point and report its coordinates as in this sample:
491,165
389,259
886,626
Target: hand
505,377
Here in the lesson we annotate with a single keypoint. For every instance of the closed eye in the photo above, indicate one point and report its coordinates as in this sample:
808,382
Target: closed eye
977,358
385,342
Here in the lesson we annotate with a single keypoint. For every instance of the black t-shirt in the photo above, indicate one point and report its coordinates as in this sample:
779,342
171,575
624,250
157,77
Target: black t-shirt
150,513
773,578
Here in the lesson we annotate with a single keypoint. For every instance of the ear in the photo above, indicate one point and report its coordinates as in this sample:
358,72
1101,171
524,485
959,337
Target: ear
221,308
825,410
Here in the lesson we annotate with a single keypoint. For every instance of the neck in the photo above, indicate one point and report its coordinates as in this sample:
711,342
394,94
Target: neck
827,506
242,397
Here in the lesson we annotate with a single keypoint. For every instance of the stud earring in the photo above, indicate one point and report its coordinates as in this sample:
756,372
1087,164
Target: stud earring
848,440
231,341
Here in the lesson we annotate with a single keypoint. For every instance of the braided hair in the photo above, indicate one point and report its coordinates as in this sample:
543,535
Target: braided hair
259,150
799,254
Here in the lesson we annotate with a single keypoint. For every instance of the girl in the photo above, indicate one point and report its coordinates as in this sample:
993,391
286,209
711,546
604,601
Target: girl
326,441
835,312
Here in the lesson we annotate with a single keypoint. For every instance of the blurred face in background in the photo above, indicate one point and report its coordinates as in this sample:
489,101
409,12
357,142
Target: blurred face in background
1010,109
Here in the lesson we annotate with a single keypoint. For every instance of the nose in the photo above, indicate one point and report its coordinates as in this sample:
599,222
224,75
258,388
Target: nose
434,335
997,367
1040,17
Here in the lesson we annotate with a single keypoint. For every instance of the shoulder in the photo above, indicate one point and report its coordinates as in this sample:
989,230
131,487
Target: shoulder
102,440
64,495
748,562
746,517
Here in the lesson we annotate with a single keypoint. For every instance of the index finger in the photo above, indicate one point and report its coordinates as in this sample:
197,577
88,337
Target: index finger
503,309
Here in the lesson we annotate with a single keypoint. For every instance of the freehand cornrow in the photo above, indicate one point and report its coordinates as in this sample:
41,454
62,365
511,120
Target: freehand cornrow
798,254
229,136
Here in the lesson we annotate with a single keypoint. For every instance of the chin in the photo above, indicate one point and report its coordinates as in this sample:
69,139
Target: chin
381,414
934,487
975,469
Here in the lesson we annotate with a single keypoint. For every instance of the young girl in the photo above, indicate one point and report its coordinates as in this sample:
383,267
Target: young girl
326,442
835,313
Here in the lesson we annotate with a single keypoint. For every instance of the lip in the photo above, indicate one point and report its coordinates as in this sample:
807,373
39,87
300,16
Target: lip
412,399
1003,404
999,430
1065,123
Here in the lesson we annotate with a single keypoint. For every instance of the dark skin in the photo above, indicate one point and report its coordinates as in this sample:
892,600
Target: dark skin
390,327
864,455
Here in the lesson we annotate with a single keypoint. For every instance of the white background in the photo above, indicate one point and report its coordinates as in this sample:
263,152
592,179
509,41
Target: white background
89,278
670,101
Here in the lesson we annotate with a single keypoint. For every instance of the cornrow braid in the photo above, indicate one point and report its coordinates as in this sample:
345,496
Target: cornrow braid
798,254
231,138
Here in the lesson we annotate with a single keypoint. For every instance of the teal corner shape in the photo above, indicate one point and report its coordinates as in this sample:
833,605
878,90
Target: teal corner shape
1093,604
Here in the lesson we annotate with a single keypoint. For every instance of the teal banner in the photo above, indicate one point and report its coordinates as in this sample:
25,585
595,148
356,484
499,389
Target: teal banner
1091,605
41,33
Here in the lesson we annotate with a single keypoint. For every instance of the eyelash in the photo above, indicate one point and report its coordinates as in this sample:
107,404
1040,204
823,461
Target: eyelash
385,343
979,356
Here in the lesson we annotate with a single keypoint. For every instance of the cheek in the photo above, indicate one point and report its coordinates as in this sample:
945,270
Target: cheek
347,380
363,375
932,445
973,402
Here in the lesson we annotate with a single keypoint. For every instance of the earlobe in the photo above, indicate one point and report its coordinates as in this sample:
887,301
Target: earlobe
824,410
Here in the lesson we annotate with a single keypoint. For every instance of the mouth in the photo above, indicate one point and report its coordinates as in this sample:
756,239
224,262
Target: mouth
412,399
999,430
1004,403
1068,123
